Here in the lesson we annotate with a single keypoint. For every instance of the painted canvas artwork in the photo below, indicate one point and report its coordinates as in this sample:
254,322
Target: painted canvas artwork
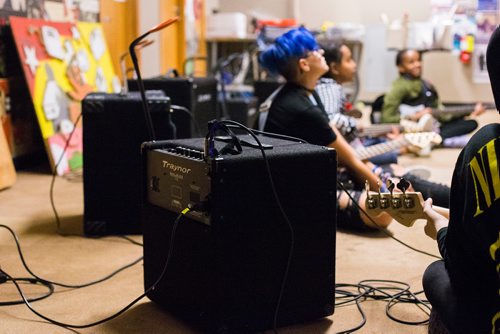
62,63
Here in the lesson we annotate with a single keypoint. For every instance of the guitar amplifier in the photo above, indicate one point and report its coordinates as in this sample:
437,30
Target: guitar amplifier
114,128
242,109
264,88
198,95
227,263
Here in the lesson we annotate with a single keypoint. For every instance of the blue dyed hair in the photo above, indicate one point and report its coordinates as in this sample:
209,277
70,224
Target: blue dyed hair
294,44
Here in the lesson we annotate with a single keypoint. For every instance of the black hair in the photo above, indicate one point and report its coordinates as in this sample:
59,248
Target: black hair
332,54
332,51
401,53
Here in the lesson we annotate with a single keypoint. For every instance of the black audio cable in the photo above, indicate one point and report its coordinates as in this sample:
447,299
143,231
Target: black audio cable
71,286
123,310
4,278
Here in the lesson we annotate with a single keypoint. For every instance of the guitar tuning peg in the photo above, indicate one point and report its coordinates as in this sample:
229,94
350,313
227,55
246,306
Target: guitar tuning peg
367,188
403,185
390,185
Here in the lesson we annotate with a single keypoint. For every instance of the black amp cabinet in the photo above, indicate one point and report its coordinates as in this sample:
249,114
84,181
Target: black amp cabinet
198,95
114,128
228,261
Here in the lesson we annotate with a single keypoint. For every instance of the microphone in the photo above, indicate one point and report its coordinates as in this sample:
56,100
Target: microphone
140,83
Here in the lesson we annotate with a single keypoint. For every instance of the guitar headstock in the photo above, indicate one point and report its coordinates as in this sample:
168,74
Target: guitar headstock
404,207
423,139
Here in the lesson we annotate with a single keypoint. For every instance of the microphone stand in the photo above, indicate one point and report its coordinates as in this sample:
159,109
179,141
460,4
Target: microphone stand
135,42
218,68
123,65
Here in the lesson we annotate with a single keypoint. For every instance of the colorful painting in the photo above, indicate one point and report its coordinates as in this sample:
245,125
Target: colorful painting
62,63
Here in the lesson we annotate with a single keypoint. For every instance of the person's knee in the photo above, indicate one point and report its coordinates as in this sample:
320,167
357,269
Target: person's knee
432,274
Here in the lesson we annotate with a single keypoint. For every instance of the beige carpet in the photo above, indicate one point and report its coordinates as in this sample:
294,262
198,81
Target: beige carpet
26,209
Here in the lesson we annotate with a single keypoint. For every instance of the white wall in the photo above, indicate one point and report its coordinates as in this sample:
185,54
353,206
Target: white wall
313,13
150,56
264,9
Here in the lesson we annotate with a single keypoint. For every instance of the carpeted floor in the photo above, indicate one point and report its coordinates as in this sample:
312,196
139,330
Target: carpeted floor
26,209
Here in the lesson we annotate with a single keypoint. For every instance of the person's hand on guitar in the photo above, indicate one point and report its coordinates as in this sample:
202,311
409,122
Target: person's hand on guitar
435,221
416,116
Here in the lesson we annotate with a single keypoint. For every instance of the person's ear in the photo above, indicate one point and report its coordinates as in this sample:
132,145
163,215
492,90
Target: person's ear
334,68
303,65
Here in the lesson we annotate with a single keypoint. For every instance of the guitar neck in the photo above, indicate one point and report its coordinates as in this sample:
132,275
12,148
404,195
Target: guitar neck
367,152
460,110
375,130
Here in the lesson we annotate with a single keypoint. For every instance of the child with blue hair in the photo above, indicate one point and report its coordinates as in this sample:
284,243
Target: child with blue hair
297,111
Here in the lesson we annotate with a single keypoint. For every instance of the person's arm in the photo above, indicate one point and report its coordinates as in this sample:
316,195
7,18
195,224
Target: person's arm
401,88
416,116
348,158
390,108
332,97
347,125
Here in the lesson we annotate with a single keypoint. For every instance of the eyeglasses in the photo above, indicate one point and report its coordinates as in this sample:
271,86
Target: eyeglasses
317,52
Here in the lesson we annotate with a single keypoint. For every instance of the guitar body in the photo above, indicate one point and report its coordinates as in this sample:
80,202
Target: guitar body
416,140
7,170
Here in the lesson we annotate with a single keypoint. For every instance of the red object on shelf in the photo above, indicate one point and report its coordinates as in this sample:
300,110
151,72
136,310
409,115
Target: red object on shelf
465,57
283,23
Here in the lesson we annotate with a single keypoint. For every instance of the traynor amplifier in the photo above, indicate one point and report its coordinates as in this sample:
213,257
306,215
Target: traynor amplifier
227,263
114,127
198,95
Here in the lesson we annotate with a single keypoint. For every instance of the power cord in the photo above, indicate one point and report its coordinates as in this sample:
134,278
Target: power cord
76,286
366,289
54,173
4,278
152,287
